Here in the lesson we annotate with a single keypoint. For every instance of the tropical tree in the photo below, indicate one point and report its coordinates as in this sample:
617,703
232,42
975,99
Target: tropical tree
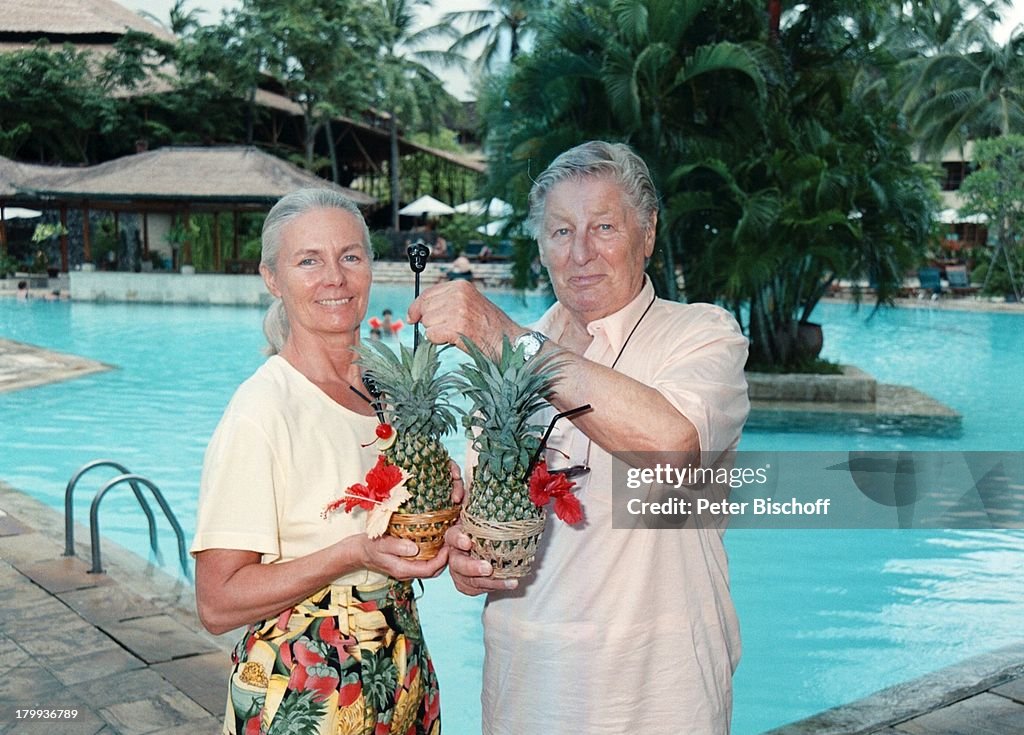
967,86
651,72
407,87
996,190
59,104
503,29
783,166
322,52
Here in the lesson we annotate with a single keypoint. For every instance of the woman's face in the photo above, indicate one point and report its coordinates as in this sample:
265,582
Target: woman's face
323,273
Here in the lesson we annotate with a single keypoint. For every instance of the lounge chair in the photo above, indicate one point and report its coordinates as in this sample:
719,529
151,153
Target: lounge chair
959,280
930,283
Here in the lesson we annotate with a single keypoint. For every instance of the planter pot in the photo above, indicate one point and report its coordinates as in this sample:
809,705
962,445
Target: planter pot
188,270
425,529
809,339
508,546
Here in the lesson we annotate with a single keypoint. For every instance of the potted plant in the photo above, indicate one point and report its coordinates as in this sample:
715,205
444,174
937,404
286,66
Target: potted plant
511,489
7,265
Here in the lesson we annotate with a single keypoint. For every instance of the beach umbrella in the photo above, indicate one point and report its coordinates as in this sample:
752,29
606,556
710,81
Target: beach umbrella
426,206
952,216
19,213
493,207
492,228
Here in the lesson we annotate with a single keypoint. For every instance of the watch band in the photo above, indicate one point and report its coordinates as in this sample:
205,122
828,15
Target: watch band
530,343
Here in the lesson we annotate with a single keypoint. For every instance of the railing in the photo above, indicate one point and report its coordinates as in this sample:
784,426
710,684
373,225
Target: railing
135,482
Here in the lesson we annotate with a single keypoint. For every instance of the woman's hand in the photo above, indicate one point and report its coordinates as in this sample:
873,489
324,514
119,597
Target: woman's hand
391,556
458,486
471,576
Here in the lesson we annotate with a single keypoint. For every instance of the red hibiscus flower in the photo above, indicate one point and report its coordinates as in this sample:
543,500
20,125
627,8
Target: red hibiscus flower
380,481
252,725
568,508
544,486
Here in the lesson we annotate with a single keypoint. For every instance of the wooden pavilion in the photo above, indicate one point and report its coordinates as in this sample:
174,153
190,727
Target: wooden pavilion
176,181
360,147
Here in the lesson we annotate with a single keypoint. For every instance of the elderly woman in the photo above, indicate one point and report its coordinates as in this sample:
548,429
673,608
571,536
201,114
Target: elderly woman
333,640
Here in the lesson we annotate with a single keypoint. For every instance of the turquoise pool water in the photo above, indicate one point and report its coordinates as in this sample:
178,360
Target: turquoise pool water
827,616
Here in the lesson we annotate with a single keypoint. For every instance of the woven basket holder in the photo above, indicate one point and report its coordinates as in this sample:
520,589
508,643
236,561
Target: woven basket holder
508,546
425,529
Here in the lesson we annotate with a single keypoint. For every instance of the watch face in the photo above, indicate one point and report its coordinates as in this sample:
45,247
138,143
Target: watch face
530,343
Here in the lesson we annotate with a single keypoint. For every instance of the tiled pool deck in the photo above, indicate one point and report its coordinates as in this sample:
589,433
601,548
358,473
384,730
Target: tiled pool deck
126,651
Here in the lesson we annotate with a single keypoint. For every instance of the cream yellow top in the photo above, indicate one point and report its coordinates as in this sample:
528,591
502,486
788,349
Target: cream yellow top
281,452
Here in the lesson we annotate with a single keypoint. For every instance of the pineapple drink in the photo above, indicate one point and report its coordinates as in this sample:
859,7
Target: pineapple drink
414,402
505,393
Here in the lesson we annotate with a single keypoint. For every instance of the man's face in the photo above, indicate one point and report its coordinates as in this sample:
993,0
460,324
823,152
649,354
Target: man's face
593,246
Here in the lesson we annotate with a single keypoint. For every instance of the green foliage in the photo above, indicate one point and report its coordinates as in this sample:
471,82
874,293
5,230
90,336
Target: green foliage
960,85
104,241
505,392
47,231
996,190
782,166
460,229
8,265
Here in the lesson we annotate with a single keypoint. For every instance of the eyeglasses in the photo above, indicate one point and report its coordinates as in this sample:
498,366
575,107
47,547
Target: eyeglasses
576,470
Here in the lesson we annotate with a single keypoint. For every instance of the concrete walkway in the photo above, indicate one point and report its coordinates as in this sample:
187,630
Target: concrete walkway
983,695
124,649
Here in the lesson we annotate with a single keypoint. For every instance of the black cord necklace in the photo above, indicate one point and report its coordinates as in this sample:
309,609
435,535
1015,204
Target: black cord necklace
583,469
630,335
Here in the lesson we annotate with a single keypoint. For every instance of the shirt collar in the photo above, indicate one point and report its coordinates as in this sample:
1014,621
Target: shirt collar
614,328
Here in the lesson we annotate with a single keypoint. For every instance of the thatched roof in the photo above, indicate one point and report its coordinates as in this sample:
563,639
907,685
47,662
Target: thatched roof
68,20
14,177
195,175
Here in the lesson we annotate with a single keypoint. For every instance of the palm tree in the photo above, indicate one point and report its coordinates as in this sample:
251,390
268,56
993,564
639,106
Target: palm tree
959,97
649,72
507,24
956,81
407,86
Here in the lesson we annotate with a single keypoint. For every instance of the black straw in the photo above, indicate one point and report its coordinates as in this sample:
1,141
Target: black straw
418,254
544,440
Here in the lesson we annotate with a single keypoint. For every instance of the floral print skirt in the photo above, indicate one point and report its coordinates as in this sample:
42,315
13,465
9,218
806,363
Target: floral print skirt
345,661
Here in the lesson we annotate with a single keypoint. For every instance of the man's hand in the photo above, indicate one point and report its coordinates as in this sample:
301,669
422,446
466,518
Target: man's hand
449,311
471,576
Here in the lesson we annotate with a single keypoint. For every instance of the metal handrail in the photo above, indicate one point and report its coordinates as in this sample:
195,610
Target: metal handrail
69,509
94,523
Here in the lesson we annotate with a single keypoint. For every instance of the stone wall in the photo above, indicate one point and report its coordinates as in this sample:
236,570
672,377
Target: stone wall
853,386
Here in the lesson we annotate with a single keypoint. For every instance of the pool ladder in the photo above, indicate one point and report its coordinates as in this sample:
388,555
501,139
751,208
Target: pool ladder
134,482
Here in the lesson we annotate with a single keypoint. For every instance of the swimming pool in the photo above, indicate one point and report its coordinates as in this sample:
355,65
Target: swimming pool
827,616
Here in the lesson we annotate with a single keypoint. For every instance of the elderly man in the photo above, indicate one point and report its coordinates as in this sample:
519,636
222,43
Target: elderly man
617,630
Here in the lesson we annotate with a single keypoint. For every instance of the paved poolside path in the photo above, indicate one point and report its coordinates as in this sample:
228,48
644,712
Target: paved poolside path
123,648
25,366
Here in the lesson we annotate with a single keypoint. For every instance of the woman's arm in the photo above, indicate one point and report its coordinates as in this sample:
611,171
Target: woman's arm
233,587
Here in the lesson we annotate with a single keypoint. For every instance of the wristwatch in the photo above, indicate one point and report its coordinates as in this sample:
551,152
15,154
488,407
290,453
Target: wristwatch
530,343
